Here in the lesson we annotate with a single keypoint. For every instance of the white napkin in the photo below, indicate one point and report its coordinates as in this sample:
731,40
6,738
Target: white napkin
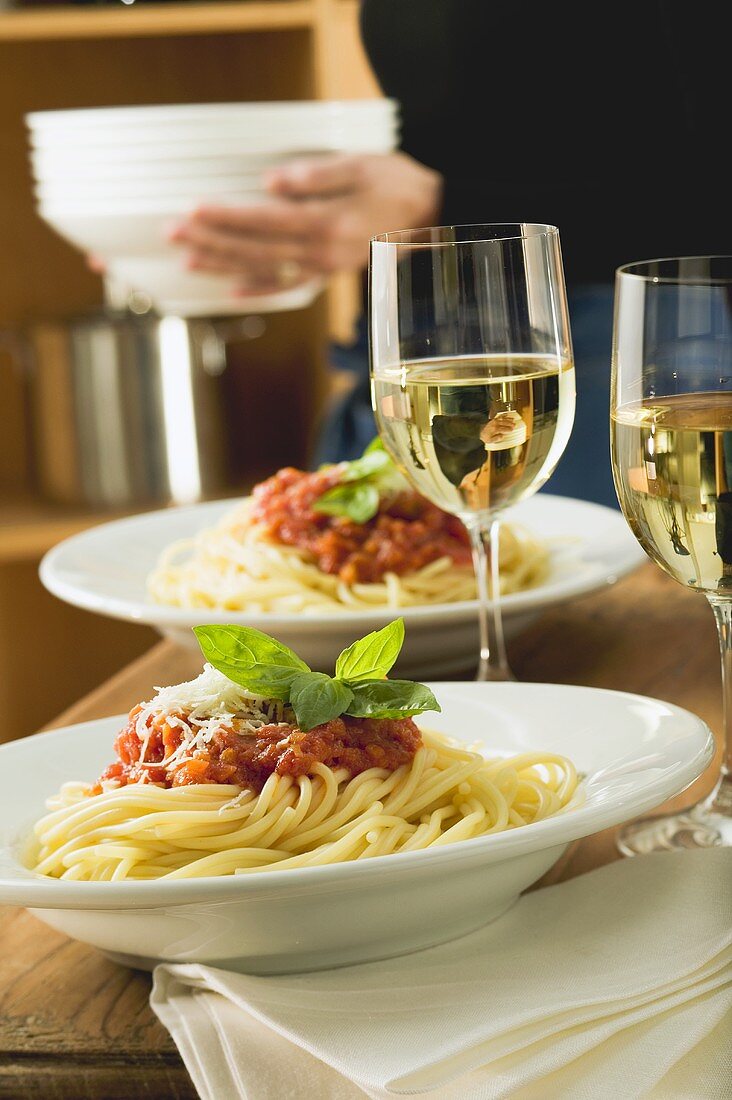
612,986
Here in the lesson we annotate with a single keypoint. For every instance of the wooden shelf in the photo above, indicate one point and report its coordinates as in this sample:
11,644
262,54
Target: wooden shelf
61,58
147,52
149,20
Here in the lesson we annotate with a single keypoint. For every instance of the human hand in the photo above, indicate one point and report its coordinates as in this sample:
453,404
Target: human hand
506,429
319,220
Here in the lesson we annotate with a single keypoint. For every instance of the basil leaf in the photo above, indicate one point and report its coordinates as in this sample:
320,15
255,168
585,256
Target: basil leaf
267,681
390,699
370,463
372,657
357,494
246,646
248,657
316,698
359,503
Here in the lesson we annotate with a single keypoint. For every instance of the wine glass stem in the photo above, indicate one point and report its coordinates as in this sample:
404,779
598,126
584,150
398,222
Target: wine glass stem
721,798
493,663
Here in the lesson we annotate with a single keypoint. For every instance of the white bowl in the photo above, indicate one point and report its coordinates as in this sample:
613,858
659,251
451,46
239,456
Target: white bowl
173,290
634,753
219,141
103,137
235,134
131,240
72,156
270,112
127,228
105,569
133,228
61,168
65,191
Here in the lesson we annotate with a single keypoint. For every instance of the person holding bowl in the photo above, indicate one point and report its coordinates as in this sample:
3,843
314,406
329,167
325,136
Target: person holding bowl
505,119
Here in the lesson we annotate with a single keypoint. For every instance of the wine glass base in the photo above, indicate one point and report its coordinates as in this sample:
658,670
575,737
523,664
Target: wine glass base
502,675
666,834
699,827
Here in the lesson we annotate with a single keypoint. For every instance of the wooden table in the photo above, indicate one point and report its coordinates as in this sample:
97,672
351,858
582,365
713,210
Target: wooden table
74,1025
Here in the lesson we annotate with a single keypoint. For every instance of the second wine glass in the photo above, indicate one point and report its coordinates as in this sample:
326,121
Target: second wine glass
671,439
472,378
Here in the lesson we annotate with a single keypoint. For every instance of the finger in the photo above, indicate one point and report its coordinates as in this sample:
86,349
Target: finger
96,264
243,249
272,286
317,176
254,290
251,276
271,219
214,263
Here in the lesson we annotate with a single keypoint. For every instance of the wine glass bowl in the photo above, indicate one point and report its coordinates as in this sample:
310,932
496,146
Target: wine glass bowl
472,377
671,444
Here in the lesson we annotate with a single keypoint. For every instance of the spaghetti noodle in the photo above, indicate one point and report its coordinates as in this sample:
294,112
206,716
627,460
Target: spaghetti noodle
236,566
445,794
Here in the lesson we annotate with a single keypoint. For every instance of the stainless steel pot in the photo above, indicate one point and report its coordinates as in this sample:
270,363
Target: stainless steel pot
129,410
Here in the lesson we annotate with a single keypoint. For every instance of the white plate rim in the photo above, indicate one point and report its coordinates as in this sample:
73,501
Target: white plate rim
161,615
135,114
556,831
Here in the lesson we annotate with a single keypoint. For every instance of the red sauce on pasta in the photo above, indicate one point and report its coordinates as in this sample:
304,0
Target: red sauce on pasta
407,533
248,760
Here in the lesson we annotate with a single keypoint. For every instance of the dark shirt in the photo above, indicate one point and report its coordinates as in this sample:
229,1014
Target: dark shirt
609,121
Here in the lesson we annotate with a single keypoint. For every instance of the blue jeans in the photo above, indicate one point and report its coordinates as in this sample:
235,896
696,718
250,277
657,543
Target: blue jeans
584,469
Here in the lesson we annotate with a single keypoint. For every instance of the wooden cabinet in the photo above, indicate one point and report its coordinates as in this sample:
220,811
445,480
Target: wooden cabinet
86,56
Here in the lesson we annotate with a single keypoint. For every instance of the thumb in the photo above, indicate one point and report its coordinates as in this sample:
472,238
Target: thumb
317,176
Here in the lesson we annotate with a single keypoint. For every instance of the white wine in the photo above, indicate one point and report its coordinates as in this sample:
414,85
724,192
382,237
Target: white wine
672,463
476,433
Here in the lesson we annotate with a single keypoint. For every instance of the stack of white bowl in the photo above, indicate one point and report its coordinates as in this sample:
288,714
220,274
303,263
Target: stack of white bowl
113,181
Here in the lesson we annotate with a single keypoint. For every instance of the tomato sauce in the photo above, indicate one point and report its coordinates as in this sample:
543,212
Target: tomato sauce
407,533
247,760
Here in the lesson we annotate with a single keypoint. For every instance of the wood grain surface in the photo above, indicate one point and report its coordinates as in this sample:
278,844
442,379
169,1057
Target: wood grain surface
74,1026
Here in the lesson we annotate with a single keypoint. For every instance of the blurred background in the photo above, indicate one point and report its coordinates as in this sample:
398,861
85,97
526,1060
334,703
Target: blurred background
61,471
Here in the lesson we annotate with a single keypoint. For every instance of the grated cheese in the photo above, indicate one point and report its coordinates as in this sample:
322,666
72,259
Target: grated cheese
200,707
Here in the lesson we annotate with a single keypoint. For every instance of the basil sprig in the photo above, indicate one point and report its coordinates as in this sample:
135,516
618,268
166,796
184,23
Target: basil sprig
362,484
264,666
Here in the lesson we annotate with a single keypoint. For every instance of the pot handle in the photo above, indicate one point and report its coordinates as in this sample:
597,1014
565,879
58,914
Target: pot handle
250,327
212,341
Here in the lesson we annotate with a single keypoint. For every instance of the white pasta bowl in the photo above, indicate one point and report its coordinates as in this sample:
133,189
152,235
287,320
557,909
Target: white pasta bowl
124,223
633,752
192,294
61,168
111,125
263,139
197,294
134,227
131,238
105,570
76,192
71,158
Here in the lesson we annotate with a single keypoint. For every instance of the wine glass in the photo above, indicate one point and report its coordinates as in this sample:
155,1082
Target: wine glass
671,438
472,378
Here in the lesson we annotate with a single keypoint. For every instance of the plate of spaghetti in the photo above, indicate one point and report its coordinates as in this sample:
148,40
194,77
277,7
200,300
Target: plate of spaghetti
271,818
320,557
